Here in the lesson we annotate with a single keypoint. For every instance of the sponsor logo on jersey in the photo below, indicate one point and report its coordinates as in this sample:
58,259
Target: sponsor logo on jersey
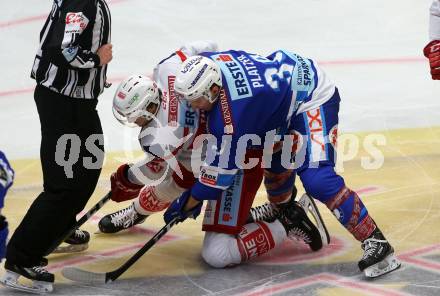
173,102
164,99
316,127
227,203
189,115
226,113
208,176
304,71
76,22
230,201
225,58
303,76
226,217
237,81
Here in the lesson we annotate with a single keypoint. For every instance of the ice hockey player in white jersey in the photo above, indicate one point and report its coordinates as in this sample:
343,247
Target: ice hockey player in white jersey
432,49
166,124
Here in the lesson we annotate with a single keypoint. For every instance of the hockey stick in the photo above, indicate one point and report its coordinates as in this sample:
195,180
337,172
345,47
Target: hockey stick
84,276
80,222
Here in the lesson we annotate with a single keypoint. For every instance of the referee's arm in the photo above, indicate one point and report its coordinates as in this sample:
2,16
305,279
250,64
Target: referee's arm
63,47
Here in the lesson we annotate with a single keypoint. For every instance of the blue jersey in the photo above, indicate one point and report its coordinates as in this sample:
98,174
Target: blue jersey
259,94
6,177
261,91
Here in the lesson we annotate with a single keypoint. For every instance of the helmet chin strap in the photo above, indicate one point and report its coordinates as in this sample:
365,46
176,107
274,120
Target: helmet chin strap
212,99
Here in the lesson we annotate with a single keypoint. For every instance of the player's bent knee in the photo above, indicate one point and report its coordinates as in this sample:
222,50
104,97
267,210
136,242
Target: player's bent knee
215,258
322,183
216,250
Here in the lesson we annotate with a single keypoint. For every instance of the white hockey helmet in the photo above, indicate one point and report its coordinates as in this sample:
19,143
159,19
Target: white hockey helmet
196,77
133,97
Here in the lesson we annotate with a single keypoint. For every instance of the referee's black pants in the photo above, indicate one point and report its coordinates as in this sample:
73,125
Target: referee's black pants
54,211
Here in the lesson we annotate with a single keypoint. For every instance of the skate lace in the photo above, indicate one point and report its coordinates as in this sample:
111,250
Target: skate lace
370,246
300,234
39,269
264,212
80,233
124,217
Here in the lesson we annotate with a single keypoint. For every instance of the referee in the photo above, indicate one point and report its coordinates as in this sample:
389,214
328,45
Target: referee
70,70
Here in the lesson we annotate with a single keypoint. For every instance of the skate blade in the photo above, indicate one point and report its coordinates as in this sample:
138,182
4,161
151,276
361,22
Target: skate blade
10,280
309,206
71,248
389,264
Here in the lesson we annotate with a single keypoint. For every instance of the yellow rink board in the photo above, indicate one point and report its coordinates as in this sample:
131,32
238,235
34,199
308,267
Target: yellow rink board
402,197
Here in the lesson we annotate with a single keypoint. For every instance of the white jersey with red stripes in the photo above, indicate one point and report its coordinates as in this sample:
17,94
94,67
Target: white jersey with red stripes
434,20
176,121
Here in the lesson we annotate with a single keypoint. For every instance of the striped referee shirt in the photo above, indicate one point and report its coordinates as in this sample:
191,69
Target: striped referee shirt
66,60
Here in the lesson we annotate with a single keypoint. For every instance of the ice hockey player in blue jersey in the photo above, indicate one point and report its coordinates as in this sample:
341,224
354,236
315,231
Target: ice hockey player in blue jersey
260,102
6,180
230,222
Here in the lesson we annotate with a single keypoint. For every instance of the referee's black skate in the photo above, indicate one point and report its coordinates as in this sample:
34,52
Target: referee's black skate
78,241
120,220
378,257
42,280
298,225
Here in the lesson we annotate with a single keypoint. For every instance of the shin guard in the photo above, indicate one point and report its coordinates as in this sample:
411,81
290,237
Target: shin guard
256,239
351,212
148,203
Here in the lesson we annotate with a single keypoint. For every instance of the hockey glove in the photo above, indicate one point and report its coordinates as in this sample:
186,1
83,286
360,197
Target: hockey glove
176,209
6,177
122,188
432,52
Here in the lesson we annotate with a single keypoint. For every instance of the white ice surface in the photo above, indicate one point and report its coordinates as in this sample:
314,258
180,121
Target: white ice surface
375,96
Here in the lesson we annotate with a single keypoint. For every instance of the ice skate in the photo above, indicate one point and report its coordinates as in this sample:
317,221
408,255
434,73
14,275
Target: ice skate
120,220
299,226
42,280
310,207
78,241
378,258
266,212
